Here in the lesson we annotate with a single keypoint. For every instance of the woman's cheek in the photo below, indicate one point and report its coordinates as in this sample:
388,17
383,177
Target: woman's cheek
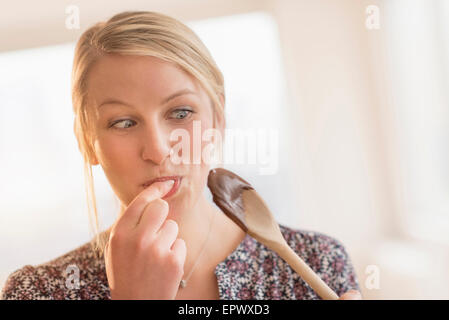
111,151
196,144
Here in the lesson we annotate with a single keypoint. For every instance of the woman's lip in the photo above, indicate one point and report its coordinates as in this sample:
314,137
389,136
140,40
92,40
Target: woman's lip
148,183
175,187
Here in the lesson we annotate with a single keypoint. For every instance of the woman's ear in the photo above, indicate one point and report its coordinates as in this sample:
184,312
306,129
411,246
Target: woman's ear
93,161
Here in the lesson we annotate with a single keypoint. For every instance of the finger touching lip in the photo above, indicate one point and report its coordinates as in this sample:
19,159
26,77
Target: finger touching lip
174,189
166,186
163,186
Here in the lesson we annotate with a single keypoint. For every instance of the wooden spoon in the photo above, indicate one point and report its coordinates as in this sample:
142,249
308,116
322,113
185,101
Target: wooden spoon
240,202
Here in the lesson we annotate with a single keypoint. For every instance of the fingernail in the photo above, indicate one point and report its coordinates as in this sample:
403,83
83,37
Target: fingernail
169,183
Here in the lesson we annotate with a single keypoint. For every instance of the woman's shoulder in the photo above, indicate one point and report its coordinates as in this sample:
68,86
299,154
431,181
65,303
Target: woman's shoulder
309,242
78,274
254,271
326,255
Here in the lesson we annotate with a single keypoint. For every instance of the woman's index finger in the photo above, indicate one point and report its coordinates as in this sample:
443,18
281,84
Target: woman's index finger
156,190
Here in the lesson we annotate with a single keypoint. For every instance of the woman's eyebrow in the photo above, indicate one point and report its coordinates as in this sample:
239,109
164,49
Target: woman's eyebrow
164,101
176,94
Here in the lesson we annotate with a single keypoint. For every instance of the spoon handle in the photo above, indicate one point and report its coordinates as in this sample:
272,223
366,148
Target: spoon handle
304,271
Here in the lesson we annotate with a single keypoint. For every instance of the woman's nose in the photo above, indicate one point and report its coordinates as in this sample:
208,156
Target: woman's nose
156,144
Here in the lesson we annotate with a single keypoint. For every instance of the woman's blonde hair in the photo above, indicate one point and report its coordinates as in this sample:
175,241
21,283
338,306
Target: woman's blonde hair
138,33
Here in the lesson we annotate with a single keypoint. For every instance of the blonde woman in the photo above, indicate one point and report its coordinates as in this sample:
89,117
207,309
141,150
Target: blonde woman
137,78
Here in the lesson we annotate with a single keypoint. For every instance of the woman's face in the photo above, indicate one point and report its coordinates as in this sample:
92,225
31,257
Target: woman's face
135,121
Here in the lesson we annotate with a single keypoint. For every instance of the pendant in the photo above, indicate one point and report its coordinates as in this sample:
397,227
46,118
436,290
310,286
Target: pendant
183,283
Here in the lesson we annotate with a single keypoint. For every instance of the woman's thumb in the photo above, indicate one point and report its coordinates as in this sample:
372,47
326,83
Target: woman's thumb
351,295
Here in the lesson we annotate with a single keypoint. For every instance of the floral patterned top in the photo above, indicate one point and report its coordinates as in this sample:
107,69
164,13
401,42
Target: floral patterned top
251,271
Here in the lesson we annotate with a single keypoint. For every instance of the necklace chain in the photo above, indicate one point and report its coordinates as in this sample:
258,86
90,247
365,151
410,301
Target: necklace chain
183,282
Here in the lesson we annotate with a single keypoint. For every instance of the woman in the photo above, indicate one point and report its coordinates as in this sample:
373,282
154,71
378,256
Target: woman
137,79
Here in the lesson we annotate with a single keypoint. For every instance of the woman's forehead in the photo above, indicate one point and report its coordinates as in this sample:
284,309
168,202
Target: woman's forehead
139,78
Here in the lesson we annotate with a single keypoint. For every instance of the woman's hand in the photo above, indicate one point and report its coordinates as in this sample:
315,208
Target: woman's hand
351,295
143,257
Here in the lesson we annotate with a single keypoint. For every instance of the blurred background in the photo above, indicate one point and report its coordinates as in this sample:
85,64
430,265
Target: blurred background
358,92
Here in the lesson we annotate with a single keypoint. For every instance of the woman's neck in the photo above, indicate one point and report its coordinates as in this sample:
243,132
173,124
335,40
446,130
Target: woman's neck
198,228
224,237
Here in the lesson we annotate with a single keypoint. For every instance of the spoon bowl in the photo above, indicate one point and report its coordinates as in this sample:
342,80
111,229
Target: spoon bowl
242,204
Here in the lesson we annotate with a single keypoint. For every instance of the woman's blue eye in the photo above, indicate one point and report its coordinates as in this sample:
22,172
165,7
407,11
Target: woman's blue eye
182,113
120,121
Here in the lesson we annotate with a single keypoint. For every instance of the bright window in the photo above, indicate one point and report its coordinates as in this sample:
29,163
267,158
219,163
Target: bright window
418,39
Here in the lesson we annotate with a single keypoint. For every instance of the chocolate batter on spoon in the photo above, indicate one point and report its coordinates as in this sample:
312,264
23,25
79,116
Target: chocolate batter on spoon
241,203
227,189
